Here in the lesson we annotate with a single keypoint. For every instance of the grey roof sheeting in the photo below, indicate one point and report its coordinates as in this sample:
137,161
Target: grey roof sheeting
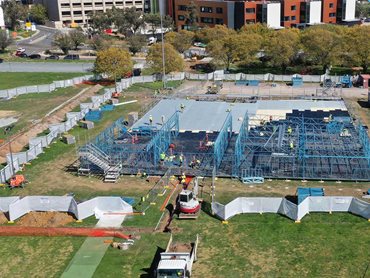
210,115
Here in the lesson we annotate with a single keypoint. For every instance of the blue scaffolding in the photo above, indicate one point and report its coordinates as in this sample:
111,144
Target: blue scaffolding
162,139
222,140
240,146
364,139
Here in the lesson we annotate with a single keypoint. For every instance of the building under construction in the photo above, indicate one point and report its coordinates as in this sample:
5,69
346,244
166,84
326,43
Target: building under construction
295,139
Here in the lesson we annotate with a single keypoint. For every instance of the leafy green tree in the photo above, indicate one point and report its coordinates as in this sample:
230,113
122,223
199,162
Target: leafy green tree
321,45
77,38
38,13
113,62
154,20
181,40
234,49
173,60
64,42
358,45
218,32
362,9
5,40
99,22
136,43
13,13
282,47
128,21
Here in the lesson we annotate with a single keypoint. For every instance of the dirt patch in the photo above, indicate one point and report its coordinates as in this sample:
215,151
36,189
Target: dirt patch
45,219
3,218
21,139
180,247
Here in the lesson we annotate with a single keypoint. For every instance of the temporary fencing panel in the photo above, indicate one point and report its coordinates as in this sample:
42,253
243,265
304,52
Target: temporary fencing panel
100,205
292,211
360,207
42,203
6,201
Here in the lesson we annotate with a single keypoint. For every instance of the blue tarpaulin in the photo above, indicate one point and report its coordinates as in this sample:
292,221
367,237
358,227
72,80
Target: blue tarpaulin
304,192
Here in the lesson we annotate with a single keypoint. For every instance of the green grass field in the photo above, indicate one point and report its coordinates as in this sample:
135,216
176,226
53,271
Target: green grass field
32,107
10,80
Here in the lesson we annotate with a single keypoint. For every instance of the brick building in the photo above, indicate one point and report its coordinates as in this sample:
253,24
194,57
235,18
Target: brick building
276,14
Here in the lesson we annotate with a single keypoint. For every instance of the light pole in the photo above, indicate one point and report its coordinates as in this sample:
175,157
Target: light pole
161,8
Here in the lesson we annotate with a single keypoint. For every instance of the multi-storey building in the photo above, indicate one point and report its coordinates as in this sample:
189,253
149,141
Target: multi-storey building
276,14
2,21
78,11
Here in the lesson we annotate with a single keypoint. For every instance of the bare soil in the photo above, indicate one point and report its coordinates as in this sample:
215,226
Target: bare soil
180,247
8,113
20,140
3,218
45,219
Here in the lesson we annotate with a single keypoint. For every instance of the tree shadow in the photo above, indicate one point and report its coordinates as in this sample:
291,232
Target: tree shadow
150,272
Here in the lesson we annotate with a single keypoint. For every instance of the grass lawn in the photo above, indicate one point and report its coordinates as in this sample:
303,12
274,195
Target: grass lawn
153,86
34,106
9,80
36,256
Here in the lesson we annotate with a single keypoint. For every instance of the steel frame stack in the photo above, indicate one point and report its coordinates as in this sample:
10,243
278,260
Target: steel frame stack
240,146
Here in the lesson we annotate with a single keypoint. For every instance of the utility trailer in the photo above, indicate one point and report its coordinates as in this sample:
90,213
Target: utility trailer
177,260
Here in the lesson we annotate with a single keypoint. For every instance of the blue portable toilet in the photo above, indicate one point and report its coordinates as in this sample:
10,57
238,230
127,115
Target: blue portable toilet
346,81
297,81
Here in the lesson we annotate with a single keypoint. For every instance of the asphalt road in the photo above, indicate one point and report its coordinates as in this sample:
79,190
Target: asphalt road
45,67
39,42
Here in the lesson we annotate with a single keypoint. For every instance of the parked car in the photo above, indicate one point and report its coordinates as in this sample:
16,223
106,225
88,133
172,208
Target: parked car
52,57
22,55
1,60
21,49
35,56
72,57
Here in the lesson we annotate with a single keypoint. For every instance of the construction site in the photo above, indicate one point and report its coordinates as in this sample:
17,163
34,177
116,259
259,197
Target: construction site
283,139
165,184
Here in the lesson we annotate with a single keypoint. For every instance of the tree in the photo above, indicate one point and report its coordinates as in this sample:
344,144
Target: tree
136,43
358,45
38,13
128,21
64,42
218,32
99,22
77,38
235,48
5,40
181,40
113,63
362,9
13,12
173,60
191,17
321,45
154,20
282,47
97,42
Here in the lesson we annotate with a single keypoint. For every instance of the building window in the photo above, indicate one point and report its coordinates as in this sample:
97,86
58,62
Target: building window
332,15
286,18
219,21
206,20
183,8
181,17
293,8
206,9
219,10
293,17
331,5
250,10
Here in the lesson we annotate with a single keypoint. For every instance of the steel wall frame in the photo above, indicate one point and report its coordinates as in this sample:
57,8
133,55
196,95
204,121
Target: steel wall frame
240,146
222,140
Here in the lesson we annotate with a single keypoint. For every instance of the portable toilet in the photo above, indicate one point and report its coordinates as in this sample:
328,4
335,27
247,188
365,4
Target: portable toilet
297,81
346,81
